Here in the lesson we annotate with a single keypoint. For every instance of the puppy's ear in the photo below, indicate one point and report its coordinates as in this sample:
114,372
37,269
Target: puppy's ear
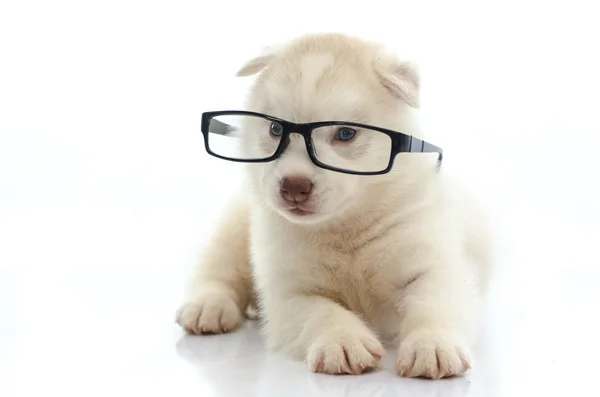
401,78
257,64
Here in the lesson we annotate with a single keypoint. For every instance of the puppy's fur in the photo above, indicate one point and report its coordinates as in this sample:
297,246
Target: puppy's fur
401,258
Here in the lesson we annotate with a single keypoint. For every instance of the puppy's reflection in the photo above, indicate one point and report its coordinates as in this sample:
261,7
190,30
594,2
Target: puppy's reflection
388,384
231,363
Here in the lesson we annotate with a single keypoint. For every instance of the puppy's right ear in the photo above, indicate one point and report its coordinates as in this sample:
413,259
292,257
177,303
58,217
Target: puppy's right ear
401,78
256,65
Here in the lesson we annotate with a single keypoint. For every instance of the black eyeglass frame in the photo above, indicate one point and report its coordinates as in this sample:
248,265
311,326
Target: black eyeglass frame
401,143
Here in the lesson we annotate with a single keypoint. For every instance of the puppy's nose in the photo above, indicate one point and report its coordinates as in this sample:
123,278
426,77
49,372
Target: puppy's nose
295,189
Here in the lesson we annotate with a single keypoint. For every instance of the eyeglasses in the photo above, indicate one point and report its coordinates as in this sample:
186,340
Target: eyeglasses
340,146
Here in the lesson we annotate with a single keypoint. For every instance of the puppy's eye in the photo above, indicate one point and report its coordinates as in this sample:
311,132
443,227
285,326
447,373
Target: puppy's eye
276,129
345,134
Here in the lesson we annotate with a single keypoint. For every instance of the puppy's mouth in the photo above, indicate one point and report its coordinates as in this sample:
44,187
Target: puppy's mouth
298,209
300,212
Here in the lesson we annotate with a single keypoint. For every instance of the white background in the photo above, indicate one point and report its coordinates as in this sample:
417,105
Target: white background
106,192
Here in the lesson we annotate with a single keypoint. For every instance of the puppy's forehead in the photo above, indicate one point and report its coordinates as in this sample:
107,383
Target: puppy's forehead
316,87
313,68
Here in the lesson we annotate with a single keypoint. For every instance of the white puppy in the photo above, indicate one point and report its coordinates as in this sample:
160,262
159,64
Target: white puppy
400,258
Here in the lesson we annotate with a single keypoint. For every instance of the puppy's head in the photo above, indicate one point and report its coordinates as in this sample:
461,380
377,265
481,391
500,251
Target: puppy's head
324,78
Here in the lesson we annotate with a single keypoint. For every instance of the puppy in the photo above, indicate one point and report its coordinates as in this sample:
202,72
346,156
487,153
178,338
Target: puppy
401,258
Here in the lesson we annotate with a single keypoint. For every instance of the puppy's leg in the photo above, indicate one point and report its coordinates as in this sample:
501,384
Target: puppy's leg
438,326
330,338
220,290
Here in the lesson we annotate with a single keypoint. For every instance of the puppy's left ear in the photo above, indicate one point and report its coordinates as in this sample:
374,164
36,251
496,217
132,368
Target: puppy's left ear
257,64
401,78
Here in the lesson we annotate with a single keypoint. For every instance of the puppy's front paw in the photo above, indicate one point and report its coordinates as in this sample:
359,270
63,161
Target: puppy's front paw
212,313
340,351
433,355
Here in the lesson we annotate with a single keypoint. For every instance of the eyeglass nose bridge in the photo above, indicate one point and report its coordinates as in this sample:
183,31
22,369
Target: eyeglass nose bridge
300,129
305,131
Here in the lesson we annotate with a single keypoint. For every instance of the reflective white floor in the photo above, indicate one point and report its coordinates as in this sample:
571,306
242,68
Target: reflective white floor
106,193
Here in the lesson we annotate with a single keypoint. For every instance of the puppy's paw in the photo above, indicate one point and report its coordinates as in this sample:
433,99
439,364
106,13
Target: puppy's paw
345,352
211,313
433,355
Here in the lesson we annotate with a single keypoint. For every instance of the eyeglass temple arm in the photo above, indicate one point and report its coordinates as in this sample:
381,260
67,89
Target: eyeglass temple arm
420,146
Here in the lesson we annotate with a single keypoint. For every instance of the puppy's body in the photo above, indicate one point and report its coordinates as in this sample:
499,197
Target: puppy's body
400,258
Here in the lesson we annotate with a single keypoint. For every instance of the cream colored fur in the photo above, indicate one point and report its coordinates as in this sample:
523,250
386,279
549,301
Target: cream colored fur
401,259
